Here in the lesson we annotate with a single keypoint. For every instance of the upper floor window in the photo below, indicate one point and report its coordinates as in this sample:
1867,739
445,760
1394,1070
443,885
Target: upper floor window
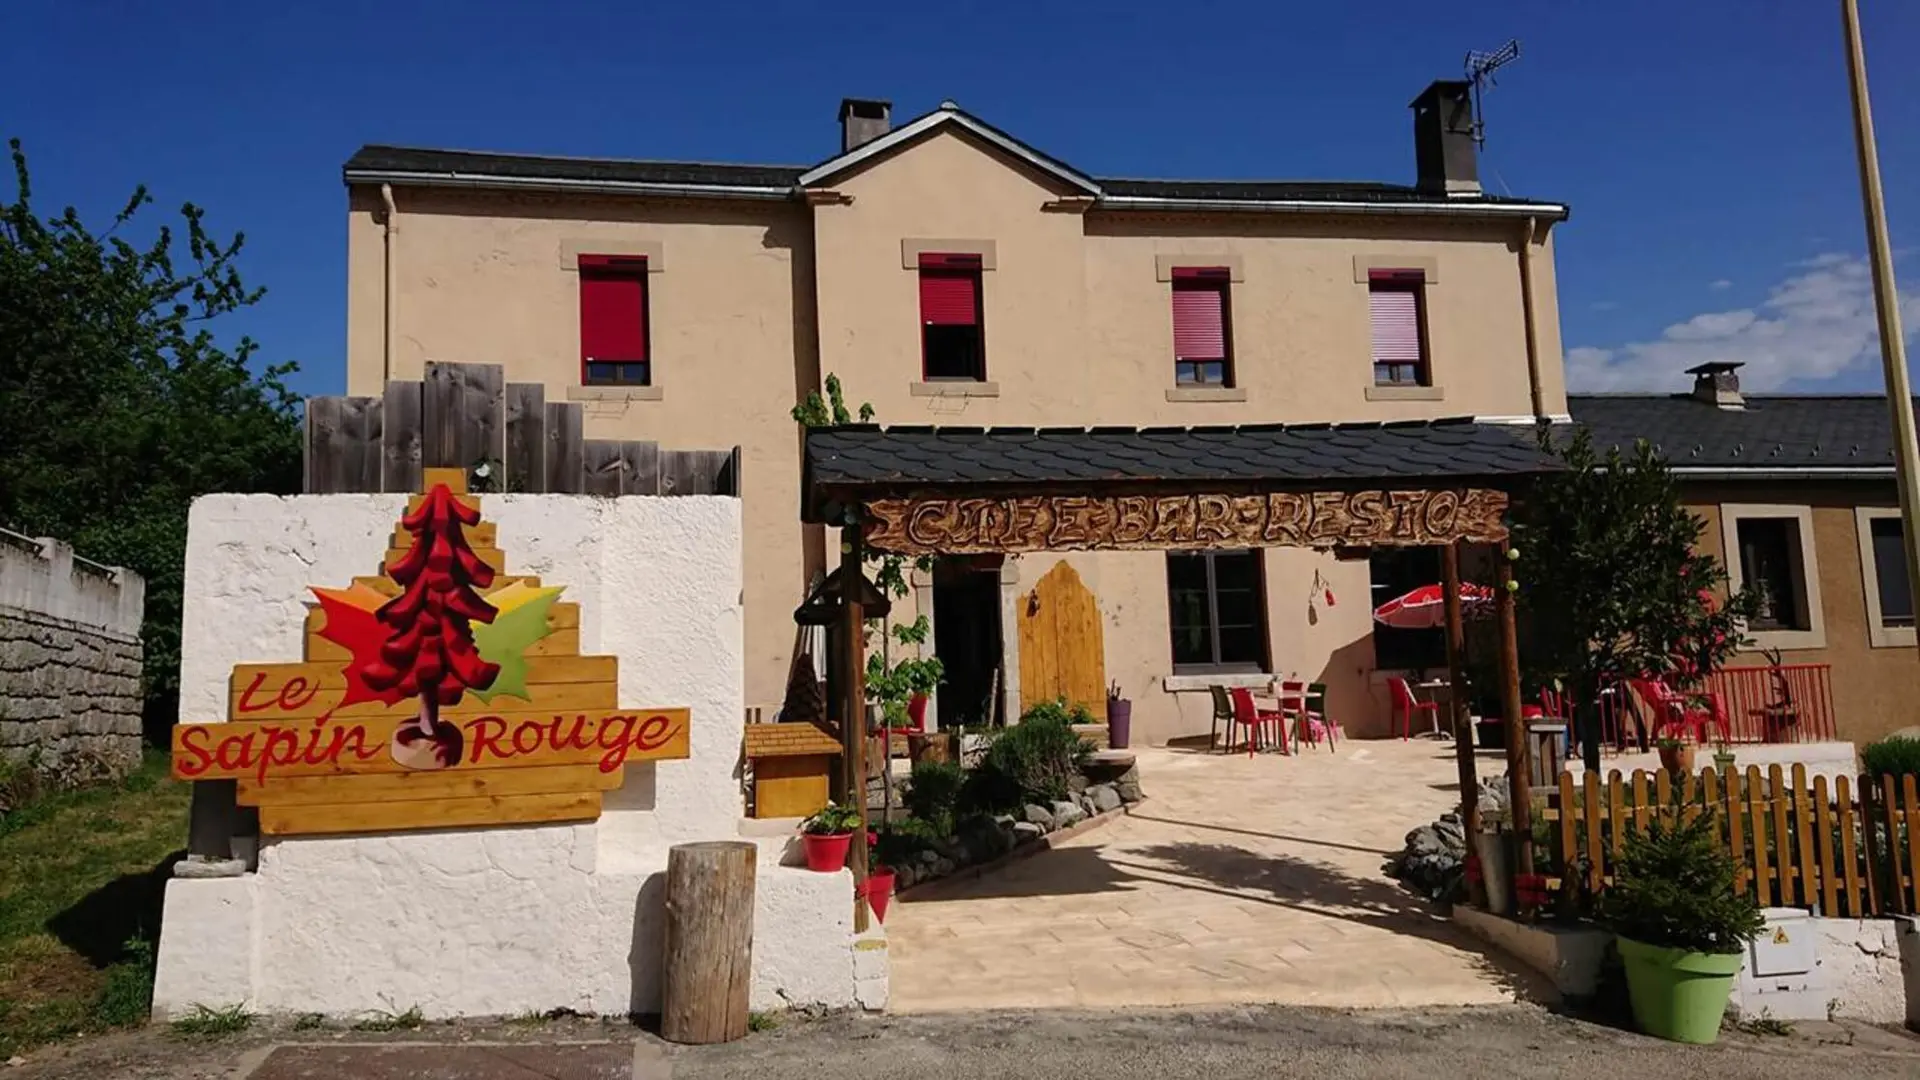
952,340
1202,343
1770,564
1397,304
1890,579
613,321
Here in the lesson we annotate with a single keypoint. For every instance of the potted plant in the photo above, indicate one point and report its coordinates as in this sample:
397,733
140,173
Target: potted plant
1682,925
1723,757
880,880
1119,718
827,835
1676,755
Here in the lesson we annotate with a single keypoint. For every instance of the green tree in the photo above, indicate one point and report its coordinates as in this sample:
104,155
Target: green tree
1612,583
117,403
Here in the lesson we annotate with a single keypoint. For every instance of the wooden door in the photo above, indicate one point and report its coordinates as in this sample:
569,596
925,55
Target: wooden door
1061,650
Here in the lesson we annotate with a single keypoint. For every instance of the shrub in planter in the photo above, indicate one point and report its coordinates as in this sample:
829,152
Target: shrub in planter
1897,756
1681,925
1041,755
933,793
827,835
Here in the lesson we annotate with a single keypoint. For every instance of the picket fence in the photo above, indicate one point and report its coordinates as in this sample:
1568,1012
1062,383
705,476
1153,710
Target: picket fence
1852,851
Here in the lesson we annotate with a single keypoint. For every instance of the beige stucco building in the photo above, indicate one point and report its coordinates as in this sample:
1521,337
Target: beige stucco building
950,274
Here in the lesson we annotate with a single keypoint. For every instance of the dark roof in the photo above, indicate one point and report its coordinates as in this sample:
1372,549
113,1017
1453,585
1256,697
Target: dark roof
1293,191
405,159
868,456
1773,432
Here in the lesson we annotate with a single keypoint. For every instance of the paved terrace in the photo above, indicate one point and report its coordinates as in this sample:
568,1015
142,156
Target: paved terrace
1237,881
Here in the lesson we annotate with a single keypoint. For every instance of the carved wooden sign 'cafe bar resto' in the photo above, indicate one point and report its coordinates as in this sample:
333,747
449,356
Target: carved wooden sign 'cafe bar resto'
442,693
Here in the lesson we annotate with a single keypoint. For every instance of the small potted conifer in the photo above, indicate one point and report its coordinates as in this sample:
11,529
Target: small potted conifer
1681,925
827,835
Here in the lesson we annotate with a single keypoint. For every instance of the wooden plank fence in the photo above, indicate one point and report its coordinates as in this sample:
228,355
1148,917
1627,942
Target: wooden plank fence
460,415
1852,850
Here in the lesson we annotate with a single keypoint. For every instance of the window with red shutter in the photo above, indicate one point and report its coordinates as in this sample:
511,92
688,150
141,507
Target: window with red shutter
1201,355
1396,307
951,338
613,321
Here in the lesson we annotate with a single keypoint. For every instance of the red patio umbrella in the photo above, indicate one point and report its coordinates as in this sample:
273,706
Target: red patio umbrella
1425,607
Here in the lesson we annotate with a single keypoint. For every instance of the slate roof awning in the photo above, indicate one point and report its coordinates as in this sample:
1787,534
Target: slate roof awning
864,461
1806,435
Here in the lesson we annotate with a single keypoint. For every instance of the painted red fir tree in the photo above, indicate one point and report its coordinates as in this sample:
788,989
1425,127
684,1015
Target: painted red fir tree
429,652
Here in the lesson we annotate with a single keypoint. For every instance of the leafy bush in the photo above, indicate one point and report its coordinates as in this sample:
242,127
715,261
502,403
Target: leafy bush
832,820
1039,757
1674,888
933,793
1058,711
985,791
1898,756
898,843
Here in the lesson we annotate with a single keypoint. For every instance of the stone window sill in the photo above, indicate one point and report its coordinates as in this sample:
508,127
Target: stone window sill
1206,393
1253,680
954,388
615,393
1406,393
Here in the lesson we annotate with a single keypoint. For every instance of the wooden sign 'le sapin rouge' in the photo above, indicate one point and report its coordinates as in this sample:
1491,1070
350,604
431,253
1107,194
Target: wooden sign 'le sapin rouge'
442,693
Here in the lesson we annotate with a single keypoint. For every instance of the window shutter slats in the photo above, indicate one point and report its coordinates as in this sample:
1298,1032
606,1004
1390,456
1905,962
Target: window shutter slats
613,316
949,297
1396,325
1199,325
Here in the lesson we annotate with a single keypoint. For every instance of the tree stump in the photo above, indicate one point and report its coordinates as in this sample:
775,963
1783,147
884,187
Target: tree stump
707,967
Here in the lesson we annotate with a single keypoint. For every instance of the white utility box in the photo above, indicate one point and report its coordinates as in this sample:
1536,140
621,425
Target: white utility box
1785,949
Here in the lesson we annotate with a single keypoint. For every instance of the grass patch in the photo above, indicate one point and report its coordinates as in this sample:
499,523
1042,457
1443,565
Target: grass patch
205,1023
81,876
1765,1025
382,1020
310,1022
762,1021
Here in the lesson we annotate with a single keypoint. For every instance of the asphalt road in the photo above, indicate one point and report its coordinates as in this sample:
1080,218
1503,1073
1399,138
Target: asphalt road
1219,1044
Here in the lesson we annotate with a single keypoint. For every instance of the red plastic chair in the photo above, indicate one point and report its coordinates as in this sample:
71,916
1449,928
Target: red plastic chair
1407,705
1672,709
1251,717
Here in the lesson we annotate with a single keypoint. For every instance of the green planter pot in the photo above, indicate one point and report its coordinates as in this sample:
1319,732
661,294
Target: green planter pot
1678,995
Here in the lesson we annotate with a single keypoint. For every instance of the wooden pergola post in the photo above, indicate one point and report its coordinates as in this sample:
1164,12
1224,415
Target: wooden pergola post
1463,736
1520,784
853,729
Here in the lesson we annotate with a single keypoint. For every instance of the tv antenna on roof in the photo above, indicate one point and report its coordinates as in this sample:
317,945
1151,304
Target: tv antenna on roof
1480,69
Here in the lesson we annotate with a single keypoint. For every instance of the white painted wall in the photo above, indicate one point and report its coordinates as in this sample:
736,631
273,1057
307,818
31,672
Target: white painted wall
502,920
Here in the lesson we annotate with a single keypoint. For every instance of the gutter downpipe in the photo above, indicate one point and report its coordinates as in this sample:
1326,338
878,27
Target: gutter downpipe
1528,321
389,327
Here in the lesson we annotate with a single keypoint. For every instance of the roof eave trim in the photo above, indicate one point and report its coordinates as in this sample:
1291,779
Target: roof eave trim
555,183
935,119
1783,472
1555,211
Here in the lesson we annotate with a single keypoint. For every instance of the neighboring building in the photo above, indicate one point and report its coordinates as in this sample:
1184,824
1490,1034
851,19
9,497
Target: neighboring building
949,273
1800,502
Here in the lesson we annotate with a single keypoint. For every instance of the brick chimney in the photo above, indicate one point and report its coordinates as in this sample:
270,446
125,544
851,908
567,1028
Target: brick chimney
1444,152
1717,383
863,120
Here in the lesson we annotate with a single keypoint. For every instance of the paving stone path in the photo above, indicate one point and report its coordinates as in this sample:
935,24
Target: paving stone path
1238,881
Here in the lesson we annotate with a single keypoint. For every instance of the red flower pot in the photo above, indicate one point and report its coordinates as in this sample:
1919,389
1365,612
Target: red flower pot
827,854
879,892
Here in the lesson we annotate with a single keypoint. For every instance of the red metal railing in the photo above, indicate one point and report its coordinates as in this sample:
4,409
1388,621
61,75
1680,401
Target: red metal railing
1776,703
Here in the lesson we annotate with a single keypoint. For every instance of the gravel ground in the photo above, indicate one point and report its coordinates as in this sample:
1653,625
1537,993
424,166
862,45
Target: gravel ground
1222,1043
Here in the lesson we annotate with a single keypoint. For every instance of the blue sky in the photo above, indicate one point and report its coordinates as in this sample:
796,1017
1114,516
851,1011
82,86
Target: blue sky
1704,145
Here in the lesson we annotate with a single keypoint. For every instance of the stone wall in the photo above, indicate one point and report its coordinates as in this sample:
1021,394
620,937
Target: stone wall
70,661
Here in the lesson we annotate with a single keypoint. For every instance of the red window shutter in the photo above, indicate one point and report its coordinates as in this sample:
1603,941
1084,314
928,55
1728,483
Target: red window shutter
1199,323
613,314
1396,324
949,297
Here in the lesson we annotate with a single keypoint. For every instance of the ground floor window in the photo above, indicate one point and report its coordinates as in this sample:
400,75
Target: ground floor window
1770,564
1217,606
1396,572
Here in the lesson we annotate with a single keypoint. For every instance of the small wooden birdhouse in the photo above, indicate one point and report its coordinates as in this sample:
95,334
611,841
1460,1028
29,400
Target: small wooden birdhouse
793,767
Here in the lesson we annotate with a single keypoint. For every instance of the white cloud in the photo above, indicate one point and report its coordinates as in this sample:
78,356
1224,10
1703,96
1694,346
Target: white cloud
1721,285
1817,324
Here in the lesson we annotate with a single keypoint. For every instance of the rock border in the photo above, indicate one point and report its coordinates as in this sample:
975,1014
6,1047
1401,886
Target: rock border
931,888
